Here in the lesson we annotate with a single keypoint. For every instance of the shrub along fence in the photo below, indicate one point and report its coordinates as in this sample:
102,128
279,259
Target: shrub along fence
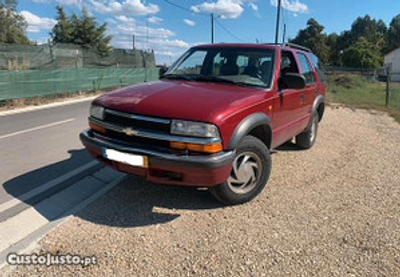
33,83
385,75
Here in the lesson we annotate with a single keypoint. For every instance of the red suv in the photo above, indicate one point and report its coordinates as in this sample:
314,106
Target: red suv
213,118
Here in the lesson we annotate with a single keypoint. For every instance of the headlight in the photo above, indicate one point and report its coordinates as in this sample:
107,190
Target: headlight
194,129
97,112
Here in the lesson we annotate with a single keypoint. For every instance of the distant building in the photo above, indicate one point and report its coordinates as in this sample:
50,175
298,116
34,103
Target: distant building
392,60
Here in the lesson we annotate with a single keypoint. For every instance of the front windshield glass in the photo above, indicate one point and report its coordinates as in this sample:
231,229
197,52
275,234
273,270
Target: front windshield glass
240,66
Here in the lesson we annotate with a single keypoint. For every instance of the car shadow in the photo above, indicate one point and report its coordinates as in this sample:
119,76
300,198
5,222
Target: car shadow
24,184
33,179
132,203
289,147
136,203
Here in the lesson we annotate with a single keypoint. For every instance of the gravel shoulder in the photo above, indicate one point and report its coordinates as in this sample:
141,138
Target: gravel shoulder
333,210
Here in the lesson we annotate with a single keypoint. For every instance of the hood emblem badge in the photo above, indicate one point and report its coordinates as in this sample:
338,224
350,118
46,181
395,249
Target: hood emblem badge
130,132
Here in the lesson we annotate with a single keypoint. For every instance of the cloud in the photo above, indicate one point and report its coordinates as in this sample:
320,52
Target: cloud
224,8
36,23
253,6
63,2
294,6
155,20
162,40
127,7
189,22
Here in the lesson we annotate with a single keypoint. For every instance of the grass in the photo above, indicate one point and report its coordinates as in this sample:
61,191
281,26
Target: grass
358,92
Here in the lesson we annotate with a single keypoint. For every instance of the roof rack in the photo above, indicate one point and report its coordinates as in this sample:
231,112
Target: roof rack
296,46
292,45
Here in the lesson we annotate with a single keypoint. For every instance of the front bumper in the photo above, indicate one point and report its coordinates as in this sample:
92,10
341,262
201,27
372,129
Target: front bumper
207,170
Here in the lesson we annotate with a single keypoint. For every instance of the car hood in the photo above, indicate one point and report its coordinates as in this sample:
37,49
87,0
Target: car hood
200,101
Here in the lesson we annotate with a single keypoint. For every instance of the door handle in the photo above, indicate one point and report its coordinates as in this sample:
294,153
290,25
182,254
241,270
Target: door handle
302,96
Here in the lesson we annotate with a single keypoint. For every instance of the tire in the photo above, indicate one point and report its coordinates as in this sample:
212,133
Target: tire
250,173
307,139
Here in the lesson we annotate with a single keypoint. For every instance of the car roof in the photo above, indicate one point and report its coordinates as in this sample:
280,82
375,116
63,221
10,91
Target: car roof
254,46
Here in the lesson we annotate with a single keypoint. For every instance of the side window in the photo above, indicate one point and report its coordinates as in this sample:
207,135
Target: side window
320,68
288,65
307,69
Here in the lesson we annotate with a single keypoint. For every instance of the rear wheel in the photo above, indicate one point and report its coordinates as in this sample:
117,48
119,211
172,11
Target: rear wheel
250,172
307,139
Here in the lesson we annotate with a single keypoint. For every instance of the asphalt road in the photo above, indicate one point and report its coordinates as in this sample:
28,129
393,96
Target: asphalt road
38,146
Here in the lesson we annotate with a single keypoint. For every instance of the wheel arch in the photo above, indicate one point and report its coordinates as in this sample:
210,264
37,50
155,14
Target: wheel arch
319,106
258,125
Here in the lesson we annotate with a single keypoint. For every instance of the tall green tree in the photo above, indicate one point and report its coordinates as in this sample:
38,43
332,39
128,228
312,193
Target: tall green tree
334,51
393,34
12,24
83,31
314,38
368,28
62,31
363,54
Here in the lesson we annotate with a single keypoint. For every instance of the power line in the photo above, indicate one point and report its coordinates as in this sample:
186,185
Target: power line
204,14
183,8
229,32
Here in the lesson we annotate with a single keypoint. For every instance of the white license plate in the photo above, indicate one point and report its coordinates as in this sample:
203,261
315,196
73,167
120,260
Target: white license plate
126,158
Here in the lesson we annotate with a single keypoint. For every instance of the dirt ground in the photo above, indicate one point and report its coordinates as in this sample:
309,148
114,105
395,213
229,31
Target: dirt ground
333,210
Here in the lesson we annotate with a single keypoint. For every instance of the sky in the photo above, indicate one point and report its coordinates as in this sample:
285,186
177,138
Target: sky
170,27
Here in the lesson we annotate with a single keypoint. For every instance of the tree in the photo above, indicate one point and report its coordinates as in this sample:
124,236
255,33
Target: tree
313,38
12,24
62,31
393,35
334,53
368,28
362,54
83,31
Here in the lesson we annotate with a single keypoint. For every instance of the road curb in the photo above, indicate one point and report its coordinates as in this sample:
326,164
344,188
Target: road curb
22,233
18,204
45,106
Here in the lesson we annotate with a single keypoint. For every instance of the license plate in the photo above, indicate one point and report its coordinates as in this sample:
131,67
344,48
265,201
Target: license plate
126,158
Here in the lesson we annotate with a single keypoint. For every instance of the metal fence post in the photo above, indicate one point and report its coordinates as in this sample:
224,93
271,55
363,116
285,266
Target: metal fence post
387,86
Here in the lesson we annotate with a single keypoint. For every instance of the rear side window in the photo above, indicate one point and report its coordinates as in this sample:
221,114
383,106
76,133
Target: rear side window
307,68
320,68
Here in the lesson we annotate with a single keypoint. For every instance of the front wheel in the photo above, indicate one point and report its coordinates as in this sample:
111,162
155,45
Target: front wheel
250,173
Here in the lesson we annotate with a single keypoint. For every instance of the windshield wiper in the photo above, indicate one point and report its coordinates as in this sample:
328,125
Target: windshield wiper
177,77
214,79
223,80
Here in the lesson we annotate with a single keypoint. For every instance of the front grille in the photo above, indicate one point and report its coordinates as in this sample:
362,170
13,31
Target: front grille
137,123
137,141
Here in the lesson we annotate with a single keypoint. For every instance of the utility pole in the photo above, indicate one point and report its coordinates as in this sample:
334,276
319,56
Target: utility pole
212,28
278,19
284,33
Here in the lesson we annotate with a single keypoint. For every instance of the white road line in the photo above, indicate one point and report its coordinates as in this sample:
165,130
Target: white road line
37,128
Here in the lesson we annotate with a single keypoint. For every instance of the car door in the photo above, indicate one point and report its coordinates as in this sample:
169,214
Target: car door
311,90
288,119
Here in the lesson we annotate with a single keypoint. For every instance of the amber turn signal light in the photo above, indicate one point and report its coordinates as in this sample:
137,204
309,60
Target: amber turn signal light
207,148
96,127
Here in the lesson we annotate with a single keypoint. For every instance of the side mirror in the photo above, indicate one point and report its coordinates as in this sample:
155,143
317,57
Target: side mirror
294,81
163,70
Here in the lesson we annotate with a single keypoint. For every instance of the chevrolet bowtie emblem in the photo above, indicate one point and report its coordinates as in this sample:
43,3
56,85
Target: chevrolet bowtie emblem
130,132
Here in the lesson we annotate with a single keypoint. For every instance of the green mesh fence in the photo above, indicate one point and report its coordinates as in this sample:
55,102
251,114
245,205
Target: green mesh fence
30,83
58,56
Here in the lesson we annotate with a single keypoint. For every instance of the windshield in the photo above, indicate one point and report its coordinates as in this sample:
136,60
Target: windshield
239,66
